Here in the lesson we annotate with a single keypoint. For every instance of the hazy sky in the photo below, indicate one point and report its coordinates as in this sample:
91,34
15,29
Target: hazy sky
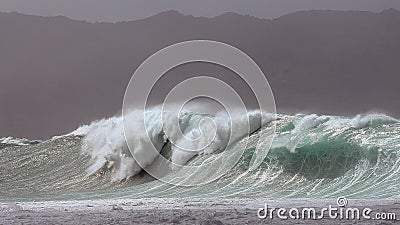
117,10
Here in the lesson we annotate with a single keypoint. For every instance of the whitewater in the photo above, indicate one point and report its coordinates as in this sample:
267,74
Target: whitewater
311,156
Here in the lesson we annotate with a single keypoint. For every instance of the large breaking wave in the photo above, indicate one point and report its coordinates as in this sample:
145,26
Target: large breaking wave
311,156
105,142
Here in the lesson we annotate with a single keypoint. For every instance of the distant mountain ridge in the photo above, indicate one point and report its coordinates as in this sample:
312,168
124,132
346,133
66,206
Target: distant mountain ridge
57,73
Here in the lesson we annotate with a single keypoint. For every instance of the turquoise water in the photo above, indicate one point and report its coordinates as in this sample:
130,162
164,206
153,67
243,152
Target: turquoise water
311,157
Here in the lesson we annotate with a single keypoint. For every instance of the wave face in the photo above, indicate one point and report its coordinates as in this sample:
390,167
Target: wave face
311,157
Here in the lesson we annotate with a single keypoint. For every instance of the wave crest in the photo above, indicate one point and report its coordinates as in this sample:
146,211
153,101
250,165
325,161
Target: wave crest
105,143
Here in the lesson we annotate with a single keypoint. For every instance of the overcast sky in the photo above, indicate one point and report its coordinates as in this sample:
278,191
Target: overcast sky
118,10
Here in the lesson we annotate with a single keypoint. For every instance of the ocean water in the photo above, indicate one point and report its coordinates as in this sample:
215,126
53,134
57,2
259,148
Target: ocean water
311,156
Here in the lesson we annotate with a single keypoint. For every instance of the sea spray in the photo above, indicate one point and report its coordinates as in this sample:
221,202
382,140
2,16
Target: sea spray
105,142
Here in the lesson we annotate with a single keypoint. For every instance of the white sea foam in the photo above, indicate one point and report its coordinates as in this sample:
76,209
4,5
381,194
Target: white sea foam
16,141
361,121
105,142
306,123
